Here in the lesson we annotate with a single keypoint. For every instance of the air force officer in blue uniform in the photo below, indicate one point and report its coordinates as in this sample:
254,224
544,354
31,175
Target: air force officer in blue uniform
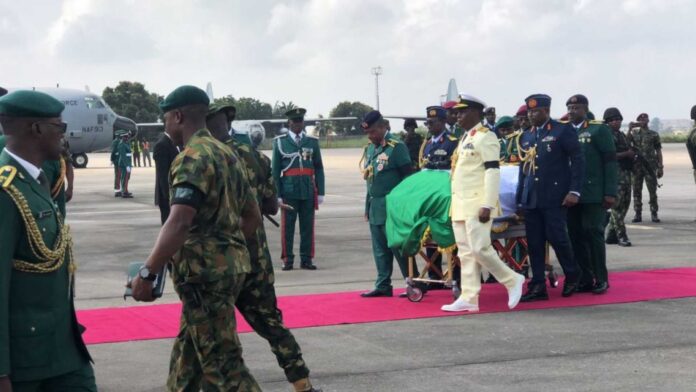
550,180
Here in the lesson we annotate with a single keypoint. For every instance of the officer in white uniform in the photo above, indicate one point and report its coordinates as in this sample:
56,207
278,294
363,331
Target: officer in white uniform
475,186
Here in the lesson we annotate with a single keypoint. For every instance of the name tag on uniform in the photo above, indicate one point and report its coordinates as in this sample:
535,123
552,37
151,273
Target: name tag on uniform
548,139
44,214
440,152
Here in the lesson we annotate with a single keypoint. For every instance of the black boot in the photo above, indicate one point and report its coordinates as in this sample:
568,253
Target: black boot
637,218
287,266
654,217
624,241
611,238
307,264
536,292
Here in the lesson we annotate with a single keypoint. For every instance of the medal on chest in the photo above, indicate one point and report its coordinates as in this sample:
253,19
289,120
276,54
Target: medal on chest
381,161
307,153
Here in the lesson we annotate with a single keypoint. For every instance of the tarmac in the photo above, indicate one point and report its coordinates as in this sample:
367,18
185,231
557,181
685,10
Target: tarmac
625,347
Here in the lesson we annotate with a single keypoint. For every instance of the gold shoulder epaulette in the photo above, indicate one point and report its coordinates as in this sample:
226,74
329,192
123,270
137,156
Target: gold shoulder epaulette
452,138
596,122
312,137
7,174
392,142
483,129
513,135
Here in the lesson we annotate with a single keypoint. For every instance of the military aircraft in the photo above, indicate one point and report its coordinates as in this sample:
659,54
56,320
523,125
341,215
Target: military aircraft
451,95
91,122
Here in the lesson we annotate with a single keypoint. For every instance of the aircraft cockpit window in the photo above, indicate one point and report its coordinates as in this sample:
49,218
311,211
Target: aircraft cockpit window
94,103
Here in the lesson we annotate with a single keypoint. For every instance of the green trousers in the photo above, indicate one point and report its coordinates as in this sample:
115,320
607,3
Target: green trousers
304,209
617,228
586,231
650,177
81,380
384,258
258,304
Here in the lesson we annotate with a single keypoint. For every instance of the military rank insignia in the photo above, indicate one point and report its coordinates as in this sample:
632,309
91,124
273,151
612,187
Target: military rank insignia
585,137
440,152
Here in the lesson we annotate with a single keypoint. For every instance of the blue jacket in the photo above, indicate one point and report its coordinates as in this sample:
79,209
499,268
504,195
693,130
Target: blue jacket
559,166
438,155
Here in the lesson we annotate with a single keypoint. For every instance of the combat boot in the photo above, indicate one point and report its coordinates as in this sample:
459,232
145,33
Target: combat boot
654,217
611,238
638,218
624,241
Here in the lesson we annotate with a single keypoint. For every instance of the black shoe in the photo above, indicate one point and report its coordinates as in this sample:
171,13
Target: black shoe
654,217
569,288
118,194
585,287
637,219
377,293
535,293
287,267
308,265
600,288
127,195
611,239
624,241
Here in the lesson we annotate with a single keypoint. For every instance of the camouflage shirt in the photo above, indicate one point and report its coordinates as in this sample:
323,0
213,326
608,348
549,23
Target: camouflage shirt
215,247
645,142
258,172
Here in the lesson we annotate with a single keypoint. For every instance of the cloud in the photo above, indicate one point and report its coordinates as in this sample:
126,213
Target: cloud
634,54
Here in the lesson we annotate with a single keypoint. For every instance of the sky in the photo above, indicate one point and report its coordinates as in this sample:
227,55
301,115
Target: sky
637,55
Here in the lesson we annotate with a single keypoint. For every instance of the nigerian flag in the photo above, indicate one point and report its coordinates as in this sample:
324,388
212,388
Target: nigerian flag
419,202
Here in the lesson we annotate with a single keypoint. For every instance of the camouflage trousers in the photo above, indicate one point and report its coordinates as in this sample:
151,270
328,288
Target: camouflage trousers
650,177
257,303
207,353
623,201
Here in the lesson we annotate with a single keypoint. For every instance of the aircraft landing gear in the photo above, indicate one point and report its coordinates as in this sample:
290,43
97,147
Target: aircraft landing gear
80,160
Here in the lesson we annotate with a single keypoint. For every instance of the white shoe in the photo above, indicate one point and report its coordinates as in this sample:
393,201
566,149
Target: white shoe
460,306
515,292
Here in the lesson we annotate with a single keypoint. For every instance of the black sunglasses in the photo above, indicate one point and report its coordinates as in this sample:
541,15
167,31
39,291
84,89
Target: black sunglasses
62,127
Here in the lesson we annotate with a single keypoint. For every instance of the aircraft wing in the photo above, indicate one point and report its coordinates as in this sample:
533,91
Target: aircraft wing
284,120
418,118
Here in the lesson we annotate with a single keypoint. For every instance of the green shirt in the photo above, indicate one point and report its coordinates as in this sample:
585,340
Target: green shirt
385,166
288,155
125,155
39,334
691,146
598,146
215,246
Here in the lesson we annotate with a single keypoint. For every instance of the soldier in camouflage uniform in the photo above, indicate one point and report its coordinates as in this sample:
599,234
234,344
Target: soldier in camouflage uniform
213,214
413,140
691,141
257,300
616,231
648,165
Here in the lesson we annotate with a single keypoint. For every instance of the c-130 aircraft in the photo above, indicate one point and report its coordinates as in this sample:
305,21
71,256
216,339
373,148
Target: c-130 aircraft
91,122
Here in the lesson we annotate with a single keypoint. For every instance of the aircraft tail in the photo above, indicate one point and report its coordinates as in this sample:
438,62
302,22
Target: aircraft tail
452,91
209,91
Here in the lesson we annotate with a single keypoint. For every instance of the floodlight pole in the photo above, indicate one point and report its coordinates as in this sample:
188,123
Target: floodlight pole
377,71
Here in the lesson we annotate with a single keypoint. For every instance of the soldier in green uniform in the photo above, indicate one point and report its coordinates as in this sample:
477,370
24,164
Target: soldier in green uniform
647,166
114,162
257,300
586,219
385,163
691,141
299,173
507,136
453,126
616,231
413,140
213,214
125,165
41,348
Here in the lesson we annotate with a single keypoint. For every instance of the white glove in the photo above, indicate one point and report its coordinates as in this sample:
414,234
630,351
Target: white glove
280,201
320,199
128,169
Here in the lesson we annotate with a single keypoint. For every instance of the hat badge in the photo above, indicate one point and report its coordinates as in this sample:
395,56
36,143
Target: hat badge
532,103
574,99
433,113
364,124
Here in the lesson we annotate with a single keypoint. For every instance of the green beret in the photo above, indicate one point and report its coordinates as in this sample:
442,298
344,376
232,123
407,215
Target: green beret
215,108
295,114
184,96
26,103
504,121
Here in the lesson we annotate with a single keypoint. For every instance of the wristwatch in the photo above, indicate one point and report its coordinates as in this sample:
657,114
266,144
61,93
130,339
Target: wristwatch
145,274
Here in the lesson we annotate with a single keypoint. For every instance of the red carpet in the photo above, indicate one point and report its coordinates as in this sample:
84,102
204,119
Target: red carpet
110,325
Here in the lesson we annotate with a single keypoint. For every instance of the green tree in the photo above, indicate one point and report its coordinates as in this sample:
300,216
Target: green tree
132,100
280,108
349,109
252,109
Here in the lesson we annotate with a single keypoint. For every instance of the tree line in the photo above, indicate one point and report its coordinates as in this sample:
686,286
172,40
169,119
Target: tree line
133,100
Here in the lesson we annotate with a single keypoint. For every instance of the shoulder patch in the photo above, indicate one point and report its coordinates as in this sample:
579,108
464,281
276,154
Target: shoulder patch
483,129
7,174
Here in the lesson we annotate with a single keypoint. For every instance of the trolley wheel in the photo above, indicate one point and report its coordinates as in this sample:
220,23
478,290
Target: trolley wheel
414,294
553,279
